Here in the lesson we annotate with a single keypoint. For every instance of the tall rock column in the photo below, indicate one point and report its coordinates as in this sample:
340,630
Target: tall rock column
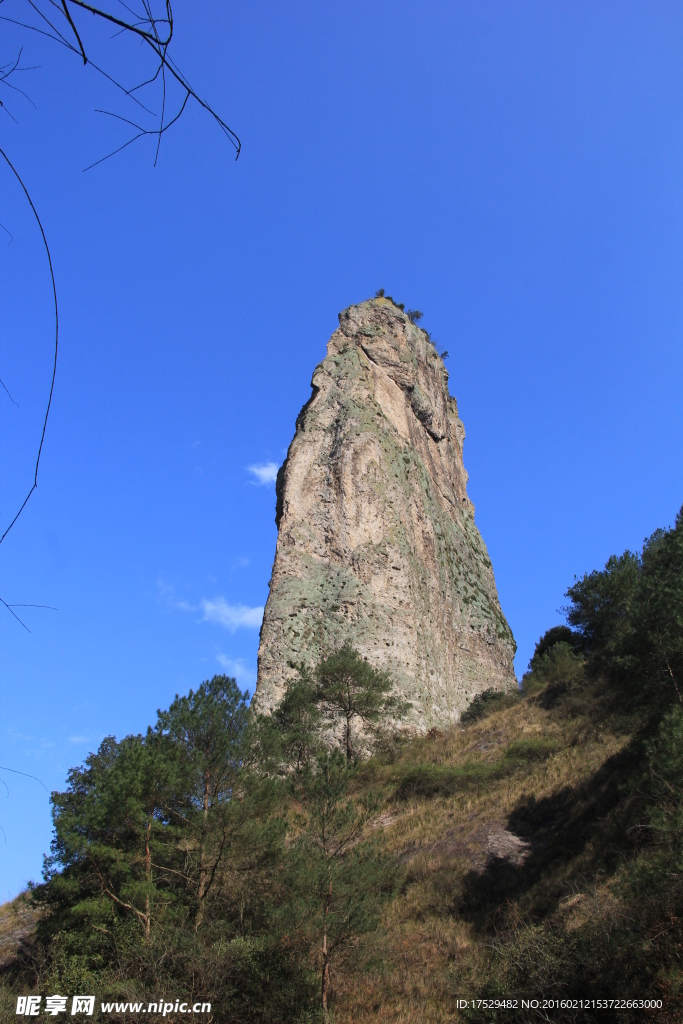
377,544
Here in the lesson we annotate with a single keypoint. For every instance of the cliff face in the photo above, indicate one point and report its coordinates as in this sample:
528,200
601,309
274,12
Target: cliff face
377,544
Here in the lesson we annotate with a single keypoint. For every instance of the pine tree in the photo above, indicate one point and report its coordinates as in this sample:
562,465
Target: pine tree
297,722
349,689
337,879
208,728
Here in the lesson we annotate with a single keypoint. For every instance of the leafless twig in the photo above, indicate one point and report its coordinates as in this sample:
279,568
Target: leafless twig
54,364
55,20
8,394
673,678
25,774
6,72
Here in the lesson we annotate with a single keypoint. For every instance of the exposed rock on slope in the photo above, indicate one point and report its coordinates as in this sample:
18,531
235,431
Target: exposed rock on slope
377,544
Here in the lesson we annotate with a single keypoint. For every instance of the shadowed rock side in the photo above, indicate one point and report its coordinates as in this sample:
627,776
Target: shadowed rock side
377,544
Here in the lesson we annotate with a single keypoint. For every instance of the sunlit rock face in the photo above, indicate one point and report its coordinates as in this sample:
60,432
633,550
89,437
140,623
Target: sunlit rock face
377,544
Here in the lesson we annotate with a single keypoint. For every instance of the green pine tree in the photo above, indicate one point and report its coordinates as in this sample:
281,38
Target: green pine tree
208,728
349,689
297,722
337,878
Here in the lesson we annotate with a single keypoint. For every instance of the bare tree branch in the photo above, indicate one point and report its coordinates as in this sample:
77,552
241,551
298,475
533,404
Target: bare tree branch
6,389
54,20
54,364
156,32
7,70
9,609
25,774
142,918
74,29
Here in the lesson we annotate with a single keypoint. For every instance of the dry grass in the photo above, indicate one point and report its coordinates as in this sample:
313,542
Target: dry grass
456,835
18,921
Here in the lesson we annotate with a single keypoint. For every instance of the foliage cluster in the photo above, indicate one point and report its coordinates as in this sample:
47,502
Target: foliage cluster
221,856
629,619
486,702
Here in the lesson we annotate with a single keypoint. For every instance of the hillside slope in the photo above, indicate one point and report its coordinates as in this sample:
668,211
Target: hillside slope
516,832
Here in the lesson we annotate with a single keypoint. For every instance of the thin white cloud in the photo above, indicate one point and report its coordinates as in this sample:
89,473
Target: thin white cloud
265,472
231,616
245,676
167,594
78,739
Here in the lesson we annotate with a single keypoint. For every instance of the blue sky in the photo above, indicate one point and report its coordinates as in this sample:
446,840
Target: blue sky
513,169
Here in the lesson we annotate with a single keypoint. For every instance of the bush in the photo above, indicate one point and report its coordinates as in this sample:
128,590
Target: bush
537,749
665,764
630,619
429,779
559,668
486,703
555,635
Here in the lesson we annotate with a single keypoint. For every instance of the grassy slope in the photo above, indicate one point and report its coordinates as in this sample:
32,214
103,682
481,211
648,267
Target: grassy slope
18,919
512,832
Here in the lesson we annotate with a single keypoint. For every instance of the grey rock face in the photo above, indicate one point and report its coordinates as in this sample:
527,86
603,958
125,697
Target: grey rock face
377,544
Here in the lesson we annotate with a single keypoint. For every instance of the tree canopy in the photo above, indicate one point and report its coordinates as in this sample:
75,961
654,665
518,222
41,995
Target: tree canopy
629,616
350,690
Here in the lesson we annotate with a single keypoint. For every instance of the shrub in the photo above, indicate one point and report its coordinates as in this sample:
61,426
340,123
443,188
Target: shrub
486,703
536,749
555,635
560,667
429,779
